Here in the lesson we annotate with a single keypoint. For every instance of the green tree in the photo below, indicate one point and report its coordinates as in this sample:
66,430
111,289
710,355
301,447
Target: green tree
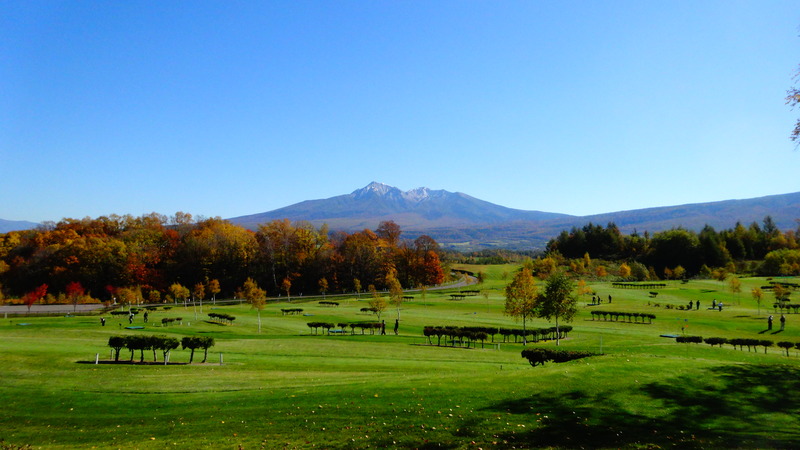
557,301
357,286
256,296
521,298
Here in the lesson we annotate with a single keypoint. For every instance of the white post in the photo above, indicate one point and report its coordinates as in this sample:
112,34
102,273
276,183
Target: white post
220,359
96,358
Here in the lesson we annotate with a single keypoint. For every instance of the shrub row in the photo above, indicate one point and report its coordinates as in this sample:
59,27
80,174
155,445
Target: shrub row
222,318
372,310
286,311
327,326
537,356
168,320
537,334
794,307
163,343
736,342
142,343
326,303
638,285
458,333
463,336
615,316
123,313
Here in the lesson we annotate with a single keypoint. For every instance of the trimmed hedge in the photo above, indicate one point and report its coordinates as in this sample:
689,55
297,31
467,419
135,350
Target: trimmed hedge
222,318
538,356
286,311
142,343
615,316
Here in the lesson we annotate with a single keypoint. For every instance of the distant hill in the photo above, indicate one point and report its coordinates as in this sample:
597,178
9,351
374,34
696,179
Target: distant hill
16,225
459,221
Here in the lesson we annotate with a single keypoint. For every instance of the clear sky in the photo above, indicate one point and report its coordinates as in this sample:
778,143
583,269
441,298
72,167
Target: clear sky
231,108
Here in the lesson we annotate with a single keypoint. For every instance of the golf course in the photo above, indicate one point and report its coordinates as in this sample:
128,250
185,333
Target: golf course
291,386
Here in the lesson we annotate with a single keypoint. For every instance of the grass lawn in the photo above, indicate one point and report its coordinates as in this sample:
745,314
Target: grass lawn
288,388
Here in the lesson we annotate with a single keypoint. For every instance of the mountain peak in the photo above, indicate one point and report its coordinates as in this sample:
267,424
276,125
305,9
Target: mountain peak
375,188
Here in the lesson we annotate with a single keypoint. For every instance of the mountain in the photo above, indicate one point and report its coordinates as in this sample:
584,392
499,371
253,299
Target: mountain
417,209
459,221
16,225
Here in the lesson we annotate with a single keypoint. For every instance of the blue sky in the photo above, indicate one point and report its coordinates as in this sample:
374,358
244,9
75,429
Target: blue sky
232,108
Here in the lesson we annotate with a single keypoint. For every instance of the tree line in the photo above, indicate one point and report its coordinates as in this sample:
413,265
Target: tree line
692,252
154,257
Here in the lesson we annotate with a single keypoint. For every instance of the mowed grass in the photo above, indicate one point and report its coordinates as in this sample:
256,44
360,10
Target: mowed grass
288,388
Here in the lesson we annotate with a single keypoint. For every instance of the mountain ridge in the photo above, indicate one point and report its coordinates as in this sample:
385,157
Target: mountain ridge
458,220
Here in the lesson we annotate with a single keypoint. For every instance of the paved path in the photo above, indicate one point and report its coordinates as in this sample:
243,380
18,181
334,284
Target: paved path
49,309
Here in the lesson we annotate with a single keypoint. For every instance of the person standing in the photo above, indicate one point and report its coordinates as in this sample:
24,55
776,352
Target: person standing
396,326
783,322
769,322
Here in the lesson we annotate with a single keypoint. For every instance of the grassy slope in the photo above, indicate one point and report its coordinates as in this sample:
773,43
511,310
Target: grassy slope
288,388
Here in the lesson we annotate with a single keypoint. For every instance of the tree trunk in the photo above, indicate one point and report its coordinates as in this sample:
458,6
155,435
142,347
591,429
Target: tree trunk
558,333
205,355
191,356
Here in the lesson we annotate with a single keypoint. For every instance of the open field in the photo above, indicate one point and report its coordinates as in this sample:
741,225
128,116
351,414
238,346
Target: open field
288,388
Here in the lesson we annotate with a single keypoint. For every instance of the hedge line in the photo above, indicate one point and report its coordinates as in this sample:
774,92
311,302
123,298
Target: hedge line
537,356
736,342
222,318
453,333
614,315
286,311
163,343
342,327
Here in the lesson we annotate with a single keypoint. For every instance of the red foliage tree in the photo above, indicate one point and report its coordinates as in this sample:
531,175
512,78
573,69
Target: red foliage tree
74,292
35,295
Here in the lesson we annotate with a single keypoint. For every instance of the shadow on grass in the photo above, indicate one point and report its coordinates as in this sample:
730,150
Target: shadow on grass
731,406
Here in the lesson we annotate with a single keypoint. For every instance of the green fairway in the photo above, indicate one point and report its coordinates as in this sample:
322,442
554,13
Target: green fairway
288,388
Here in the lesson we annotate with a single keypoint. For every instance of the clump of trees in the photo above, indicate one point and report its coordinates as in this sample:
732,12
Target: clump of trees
153,258
197,342
678,253
556,302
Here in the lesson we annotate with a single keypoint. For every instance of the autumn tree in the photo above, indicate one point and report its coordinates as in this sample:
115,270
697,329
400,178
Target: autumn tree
557,300
323,286
521,298
735,287
213,289
377,302
35,296
357,286
286,285
255,296
179,292
395,291
757,294
624,271
75,293
128,295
